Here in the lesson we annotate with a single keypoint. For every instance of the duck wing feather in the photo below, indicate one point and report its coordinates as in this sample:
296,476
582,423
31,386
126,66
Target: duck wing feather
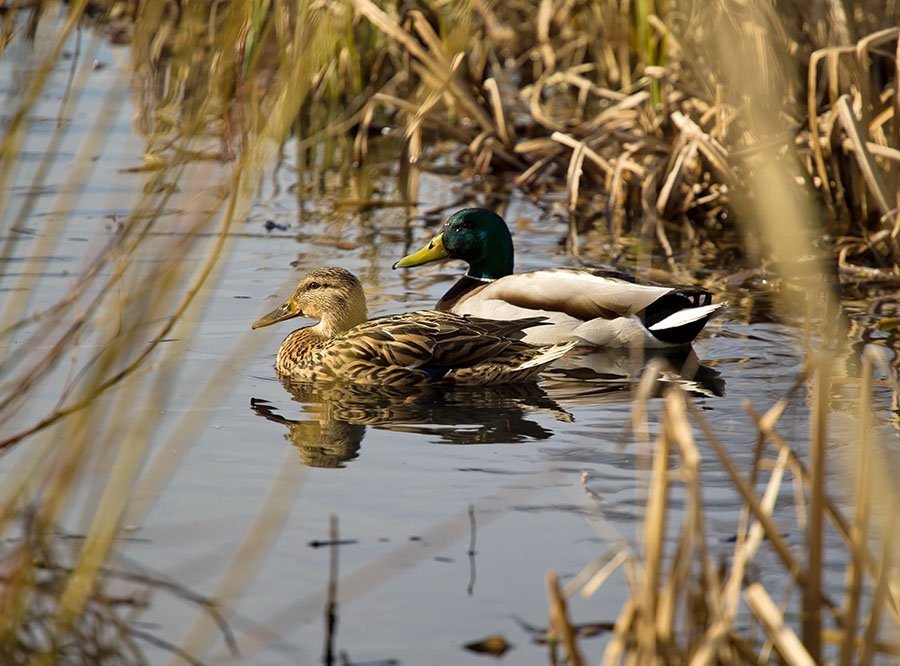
428,339
582,294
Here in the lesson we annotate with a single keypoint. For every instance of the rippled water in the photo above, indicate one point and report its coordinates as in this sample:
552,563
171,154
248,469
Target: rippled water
269,465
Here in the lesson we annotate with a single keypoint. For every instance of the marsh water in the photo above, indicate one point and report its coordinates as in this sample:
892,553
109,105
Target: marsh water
451,505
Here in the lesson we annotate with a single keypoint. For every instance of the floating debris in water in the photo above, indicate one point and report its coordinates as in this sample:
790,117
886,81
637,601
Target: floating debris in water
494,645
271,225
315,543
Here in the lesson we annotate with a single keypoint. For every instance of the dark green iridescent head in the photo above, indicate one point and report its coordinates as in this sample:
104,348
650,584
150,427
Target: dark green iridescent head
477,236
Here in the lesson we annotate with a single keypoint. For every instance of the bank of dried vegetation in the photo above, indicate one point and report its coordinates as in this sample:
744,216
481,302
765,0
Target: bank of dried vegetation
640,112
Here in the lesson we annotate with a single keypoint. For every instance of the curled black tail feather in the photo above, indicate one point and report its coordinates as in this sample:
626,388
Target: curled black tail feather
681,299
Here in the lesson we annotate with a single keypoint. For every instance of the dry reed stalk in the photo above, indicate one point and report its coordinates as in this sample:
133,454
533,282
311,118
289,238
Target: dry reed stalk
654,537
687,153
785,640
594,581
410,108
415,123
573,175
881,647
708,146
618,642
868,168
561,628
812,108
505,130
576,145
879,595
331,615
642,393
812,590
106,518
859,529
679,433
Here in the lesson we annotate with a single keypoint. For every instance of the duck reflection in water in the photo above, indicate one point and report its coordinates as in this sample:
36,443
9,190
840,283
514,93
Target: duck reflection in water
336,416
322,442
333,419
593,376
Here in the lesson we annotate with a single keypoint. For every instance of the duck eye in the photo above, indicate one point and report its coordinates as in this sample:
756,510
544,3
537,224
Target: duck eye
313,285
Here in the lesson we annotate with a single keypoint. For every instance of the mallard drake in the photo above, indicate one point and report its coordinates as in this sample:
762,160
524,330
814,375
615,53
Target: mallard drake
404,349
597,307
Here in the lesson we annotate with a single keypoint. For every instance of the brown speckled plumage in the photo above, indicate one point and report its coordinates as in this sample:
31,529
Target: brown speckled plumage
405,349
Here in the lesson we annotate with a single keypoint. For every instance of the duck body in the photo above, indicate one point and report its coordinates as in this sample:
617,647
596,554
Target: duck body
415,348
594,306
600,308
398,350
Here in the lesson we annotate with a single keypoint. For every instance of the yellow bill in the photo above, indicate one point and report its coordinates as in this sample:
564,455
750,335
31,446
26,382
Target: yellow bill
282,312
432,252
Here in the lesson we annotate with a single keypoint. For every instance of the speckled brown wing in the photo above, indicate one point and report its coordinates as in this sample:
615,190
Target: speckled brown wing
464,341
501,367
426,339
416,348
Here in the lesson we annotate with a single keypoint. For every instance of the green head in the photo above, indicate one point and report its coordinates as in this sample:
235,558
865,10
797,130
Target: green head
477,236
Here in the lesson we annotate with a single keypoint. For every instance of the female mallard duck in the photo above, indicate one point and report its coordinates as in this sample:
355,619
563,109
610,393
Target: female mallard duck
597,307
404,349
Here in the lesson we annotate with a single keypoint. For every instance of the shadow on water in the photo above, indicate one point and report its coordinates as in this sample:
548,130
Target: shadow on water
333,419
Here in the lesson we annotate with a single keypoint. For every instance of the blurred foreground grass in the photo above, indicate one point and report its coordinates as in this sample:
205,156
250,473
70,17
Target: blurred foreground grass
682,127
